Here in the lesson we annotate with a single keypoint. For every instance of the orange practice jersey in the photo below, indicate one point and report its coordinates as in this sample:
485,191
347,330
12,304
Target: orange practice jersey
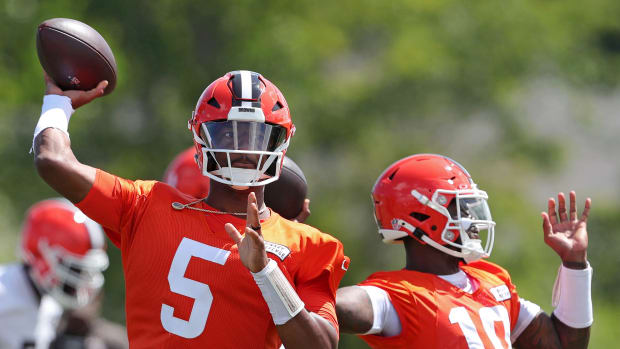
185,283
437,314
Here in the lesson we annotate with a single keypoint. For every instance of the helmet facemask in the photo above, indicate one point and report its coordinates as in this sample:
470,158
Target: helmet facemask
468,218
461,235
242,153
74,281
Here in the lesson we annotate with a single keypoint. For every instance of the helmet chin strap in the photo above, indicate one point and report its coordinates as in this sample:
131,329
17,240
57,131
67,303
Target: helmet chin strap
240,175
471,251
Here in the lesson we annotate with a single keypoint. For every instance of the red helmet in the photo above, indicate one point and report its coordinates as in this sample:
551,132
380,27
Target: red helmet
65,252
433,199
242,127
183,174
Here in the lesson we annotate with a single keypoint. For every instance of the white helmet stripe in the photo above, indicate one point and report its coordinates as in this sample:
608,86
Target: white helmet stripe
246,87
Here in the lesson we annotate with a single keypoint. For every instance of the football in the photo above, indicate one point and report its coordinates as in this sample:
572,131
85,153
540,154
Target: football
75,55
286,195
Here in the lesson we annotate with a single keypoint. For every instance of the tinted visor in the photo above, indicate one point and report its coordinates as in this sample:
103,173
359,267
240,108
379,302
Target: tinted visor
242,135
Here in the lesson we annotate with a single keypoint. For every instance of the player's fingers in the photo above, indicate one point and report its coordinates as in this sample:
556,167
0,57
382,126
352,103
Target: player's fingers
306,208
233,233
252,219
50,85
551,210
586,210
546,225
305,212
255,236
562,207
47,78
98,90
573,205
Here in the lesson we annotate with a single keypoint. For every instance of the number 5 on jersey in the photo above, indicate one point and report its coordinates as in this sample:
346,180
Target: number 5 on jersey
201,293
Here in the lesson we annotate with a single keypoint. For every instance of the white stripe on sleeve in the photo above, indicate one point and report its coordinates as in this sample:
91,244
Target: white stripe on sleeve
385,318
527,313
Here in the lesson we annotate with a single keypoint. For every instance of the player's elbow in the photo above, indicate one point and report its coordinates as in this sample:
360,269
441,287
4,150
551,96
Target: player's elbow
48,164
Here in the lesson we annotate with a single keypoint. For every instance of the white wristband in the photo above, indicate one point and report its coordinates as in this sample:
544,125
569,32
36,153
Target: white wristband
572,297
55,112
281,298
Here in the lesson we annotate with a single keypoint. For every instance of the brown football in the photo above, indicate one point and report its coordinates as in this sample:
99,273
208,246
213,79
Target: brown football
286,195
75,55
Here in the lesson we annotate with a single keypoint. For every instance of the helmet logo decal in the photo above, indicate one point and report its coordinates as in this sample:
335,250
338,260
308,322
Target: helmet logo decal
395,224
449,235
442,200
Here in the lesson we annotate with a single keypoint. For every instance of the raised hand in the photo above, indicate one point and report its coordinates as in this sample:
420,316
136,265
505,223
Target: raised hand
251,245
78,97
567,235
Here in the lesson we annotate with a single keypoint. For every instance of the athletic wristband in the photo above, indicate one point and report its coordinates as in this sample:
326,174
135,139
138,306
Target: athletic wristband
281,298
55,112
572,297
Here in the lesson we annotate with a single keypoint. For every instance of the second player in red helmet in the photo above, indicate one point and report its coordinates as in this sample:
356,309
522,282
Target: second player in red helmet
62,260
427,197
447,296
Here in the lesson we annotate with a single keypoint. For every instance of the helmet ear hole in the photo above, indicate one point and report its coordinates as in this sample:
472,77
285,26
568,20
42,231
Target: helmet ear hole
420,217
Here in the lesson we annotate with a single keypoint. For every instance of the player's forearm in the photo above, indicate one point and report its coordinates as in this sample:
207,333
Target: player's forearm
308,330
569,325
539,334
571,338
54,158
547,332
57,165
297,327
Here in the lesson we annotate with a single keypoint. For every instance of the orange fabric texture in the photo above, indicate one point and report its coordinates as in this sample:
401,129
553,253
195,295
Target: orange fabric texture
436,314
185,284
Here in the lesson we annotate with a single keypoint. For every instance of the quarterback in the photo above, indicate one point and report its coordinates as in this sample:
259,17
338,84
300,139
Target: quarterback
223,272
183,174
446,296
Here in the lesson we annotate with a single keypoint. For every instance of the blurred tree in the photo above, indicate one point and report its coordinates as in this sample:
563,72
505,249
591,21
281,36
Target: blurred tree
368,82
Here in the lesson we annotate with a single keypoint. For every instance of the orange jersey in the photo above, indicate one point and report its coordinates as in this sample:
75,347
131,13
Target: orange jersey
436,314
185,283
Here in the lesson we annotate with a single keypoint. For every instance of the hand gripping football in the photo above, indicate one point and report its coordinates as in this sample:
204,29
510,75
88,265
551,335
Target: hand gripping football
75,55
286,195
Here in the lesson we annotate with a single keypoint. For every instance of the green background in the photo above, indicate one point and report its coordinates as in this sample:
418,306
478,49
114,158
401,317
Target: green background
523,93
